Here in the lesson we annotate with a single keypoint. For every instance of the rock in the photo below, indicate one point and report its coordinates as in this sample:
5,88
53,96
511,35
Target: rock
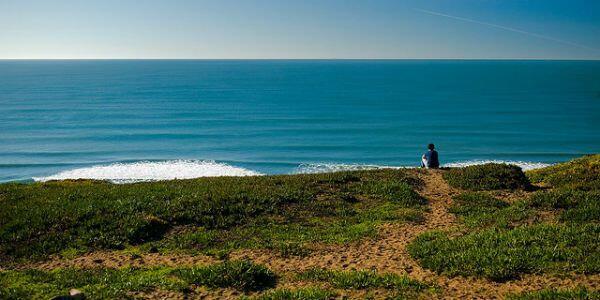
75,292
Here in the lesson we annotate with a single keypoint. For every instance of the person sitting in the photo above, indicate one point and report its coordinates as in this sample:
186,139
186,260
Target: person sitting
430,158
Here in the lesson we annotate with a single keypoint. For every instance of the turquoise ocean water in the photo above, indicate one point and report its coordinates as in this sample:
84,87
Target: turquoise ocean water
156,119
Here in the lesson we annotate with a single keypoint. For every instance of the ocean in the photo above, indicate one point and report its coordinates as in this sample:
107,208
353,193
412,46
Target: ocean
131,120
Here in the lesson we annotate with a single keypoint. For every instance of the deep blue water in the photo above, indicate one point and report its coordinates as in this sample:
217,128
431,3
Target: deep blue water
289,116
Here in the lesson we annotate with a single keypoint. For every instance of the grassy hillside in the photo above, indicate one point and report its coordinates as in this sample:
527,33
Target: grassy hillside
207,215
582,173
507,240
472,232
102,283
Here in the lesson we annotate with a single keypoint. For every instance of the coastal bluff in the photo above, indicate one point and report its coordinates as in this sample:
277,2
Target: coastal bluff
486,231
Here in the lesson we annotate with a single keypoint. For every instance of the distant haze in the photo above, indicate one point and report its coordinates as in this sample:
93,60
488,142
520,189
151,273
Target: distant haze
246,29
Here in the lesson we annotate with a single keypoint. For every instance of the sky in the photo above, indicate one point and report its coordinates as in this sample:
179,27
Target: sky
302,29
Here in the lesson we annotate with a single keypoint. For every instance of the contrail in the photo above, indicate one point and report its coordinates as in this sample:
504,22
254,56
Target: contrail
540,36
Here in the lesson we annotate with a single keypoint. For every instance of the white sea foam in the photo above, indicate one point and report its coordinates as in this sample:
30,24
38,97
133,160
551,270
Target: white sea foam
186,169
331,167
327,167
525,165
151,171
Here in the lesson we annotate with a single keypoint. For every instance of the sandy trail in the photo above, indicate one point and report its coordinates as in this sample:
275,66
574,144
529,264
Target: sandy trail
386,253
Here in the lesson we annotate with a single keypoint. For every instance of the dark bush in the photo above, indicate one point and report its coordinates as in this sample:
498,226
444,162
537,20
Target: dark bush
487,177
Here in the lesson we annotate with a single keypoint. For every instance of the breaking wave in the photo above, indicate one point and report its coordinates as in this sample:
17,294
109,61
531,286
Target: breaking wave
187,169
330,167
525,165
152,171
326,168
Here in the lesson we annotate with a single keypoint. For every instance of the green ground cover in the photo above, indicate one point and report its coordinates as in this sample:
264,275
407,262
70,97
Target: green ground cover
582,173
207,214
244,276
501,244
483,210
307,293
558,294
501,239
487,177
500,254
366,279
573,206
103,283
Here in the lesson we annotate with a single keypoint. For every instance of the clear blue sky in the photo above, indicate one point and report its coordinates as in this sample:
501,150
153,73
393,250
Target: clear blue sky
541,29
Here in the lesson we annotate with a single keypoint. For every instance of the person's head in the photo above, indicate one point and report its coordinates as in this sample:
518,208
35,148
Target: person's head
431,146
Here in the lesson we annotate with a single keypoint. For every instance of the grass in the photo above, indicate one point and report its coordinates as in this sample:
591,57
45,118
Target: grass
95,283
242,275
505,254
574,206
582,173
286,214
487,177
579,293
307,293
207,214
289,239
482,210
102,283
364,279
500,242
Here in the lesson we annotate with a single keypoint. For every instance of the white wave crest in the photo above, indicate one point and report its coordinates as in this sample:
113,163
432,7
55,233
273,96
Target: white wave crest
152,171
525,165
327,168
331,167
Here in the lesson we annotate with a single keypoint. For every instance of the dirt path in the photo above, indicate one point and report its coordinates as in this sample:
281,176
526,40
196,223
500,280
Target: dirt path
384,254
388,254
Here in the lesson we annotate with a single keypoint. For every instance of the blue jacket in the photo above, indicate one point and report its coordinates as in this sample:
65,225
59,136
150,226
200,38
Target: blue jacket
432,159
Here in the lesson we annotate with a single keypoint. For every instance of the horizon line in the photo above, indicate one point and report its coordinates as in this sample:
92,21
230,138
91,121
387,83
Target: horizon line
158,58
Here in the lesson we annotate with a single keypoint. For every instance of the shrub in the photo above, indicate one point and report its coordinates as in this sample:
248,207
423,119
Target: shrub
487,177
242,275
505,254
582,173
